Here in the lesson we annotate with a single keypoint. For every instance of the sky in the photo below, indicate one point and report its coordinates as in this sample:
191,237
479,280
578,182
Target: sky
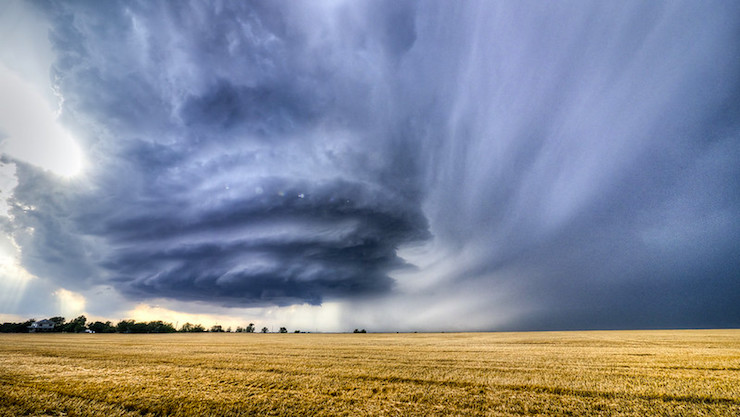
388,165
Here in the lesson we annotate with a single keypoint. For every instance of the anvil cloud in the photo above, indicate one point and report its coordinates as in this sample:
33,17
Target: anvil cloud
423,165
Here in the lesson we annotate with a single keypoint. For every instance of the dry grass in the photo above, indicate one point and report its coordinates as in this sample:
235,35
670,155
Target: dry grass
631,373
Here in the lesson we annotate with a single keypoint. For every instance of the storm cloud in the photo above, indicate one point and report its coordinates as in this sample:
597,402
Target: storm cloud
230,164
580,161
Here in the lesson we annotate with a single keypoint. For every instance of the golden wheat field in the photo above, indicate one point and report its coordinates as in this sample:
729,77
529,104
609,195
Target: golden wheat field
635,373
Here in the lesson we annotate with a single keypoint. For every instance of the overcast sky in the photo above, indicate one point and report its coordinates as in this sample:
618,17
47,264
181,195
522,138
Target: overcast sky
392,165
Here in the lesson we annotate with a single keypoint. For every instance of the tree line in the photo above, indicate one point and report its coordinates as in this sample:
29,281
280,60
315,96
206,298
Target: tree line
81,325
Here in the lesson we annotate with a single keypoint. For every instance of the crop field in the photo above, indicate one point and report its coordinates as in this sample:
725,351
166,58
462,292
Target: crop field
635,373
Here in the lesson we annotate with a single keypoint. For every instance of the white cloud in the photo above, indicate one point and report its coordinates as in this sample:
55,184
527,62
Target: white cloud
8,182
14,279
29,103
30,128
70,303
296,317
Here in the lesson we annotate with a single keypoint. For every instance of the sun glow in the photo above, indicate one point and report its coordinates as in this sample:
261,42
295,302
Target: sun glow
30,130
13,277
325,317
70,303
146,312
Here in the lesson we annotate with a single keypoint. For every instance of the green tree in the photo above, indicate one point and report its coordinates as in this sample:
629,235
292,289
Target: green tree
283,330
76,325
100,327
58,323
265,330
159,326
138,327
16,327
250,328
216,328
125,326
192,328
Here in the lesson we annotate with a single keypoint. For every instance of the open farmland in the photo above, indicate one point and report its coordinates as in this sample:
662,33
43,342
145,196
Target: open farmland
695,372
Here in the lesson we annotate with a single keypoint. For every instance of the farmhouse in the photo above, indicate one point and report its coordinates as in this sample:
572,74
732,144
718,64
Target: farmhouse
41,325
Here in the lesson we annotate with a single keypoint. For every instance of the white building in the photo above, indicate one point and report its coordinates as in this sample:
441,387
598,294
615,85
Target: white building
41,325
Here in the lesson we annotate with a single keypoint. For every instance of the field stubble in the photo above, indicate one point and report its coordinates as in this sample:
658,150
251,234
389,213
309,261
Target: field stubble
687,372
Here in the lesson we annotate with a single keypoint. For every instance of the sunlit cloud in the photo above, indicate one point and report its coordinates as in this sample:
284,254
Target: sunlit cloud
30,130
308,318
14,278
70,303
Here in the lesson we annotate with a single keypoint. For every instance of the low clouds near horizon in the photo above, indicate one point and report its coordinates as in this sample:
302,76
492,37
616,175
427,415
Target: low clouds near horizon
421,165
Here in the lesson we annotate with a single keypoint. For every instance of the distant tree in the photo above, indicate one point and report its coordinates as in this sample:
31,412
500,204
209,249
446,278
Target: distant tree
283,330
24,327
58,323
297,331
192,328
363,331
125,326
216,328
100,327
250,328
76,325
159,326
356,331
132,326
239,329
138,327
16,327
265,330
228,329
